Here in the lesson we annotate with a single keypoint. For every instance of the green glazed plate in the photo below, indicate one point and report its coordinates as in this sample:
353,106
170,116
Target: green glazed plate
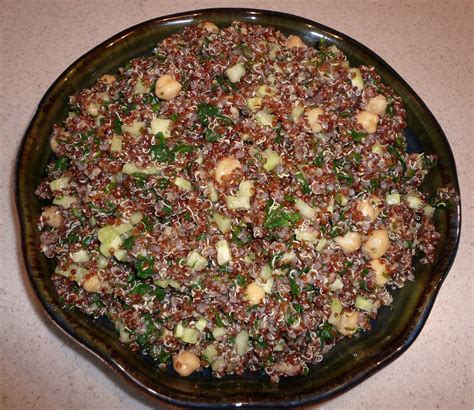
348,363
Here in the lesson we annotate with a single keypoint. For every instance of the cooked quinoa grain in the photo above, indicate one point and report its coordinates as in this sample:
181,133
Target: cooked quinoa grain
238,200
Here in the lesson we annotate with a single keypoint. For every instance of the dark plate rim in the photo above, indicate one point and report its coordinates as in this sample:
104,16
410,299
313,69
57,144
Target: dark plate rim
115,365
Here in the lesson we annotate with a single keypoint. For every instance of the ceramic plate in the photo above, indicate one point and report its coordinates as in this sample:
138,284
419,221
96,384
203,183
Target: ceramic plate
351,361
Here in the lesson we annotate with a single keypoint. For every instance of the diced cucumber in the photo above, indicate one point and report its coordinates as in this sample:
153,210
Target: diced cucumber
321,244
356,79
296,112
184,184
80,256
363,303
179,331
235,73
241,342
116,143
272,159
130,169
266,272
196,261
413,201
140,88
246,189
307,236
59,184
305,210
238,202
393,198
161,125
218,332
264,117
223,223
201,324
209,353
254,103
336,309
336,285
134,129
136,218
65,201
223,252
190,336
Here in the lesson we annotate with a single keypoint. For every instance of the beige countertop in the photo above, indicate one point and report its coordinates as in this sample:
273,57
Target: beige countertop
429,43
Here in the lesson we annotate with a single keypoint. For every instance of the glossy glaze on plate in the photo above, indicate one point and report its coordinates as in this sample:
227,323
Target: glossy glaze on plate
349,362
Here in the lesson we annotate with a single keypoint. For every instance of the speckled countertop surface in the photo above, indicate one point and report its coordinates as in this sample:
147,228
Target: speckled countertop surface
429,43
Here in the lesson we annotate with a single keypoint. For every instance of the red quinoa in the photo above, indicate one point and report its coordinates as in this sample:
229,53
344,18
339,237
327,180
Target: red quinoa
134,229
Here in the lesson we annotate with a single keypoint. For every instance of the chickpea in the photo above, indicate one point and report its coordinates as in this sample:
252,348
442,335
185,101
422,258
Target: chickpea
52,216
92,284
370,208
167,87
294,42
254,293
186,363
209,26
350,242
377,243
381,276
107,78
377,105
368,121
312,116
347,323
225,167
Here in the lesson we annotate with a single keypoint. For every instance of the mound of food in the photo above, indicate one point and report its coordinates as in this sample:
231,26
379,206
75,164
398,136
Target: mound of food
237,200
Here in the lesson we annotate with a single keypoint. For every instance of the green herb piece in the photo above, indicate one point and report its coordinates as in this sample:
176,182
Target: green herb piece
295,289
319,160
144,266
201,236
72,238
183,149
358,136
61,164
218,318
298,308
128,243
109,187
163,183
374,184
276,217
212,136
303,182
159,56
390,110
160,151
207,111
240,280
87,240
174,117
261,343
140,289
393,151
160,293
363,285
325,333
291,320
117,125
204,111
356,157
